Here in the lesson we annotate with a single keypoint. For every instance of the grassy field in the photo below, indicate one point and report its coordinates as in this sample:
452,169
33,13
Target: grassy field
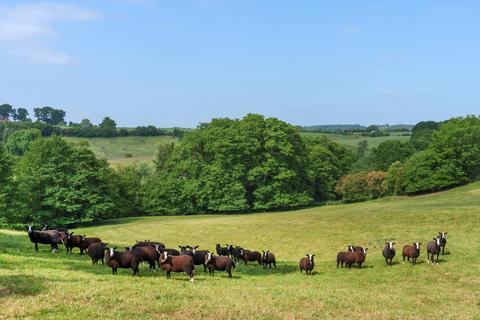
57,286
143,148
353,139
115,149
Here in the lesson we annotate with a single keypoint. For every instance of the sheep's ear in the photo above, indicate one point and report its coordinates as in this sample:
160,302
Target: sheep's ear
446,232
434,239
114,248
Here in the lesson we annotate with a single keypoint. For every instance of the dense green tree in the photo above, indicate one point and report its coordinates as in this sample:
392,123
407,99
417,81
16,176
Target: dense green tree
393,179
5,181
427,171
49,115
62,183
327,163
6,111
362,148
108,123
21,114
86,123
372,128
422,134
388,152
19,142
458,141
240,165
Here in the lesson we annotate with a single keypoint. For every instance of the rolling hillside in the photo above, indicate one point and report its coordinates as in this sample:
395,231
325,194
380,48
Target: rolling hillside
57,286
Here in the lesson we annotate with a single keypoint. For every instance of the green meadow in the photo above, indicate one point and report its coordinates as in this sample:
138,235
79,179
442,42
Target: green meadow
61,286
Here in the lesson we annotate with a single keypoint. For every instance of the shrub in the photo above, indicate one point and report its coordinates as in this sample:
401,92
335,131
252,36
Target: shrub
361,186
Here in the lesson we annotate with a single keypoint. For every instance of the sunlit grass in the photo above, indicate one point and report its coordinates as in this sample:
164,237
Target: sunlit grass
57,286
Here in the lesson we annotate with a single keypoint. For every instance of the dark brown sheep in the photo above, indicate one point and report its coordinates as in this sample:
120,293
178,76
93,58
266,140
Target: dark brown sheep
219,263
182,263
357,257
411,252
87,242
433,249
126,259
96,251
146,253
72,241
268,258
307,263
148,243
342,255
389,252
248,255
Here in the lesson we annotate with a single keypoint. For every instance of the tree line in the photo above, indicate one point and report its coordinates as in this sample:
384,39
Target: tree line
438,155
51,121
226,166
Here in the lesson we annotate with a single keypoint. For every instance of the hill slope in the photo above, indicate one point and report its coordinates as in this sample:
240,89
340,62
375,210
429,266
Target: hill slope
58,286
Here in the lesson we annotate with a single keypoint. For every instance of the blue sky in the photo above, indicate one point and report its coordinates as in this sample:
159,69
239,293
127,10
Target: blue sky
179,62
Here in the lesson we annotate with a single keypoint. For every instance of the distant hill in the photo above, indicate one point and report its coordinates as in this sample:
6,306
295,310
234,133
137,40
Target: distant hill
355,127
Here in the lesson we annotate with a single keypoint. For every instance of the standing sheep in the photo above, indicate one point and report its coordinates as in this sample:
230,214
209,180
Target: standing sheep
268,258
389,252
433,248
182,263
219,263
126,259
411,252
307,263
96,251
443,240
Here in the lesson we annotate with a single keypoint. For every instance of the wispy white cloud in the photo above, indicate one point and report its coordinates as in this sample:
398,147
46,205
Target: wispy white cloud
29,30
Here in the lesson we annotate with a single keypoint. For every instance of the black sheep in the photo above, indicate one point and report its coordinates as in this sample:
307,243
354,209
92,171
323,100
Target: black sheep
222,251
443,240
51,237
389,252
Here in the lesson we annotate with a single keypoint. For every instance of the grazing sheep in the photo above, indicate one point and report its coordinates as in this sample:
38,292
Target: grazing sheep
434,248
171,252
148,243
87,242
411,252
268,258
341,255
237,253
51,237
126,259
443,240
307,263
389,252
182,263
248,255
220,263
72,241
357,257
146,253
222,251
96,251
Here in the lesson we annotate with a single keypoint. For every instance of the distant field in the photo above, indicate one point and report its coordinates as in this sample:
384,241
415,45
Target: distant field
353,140
115,149
57,286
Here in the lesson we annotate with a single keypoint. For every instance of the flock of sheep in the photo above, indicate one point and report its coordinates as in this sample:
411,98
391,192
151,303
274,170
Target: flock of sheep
185,259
